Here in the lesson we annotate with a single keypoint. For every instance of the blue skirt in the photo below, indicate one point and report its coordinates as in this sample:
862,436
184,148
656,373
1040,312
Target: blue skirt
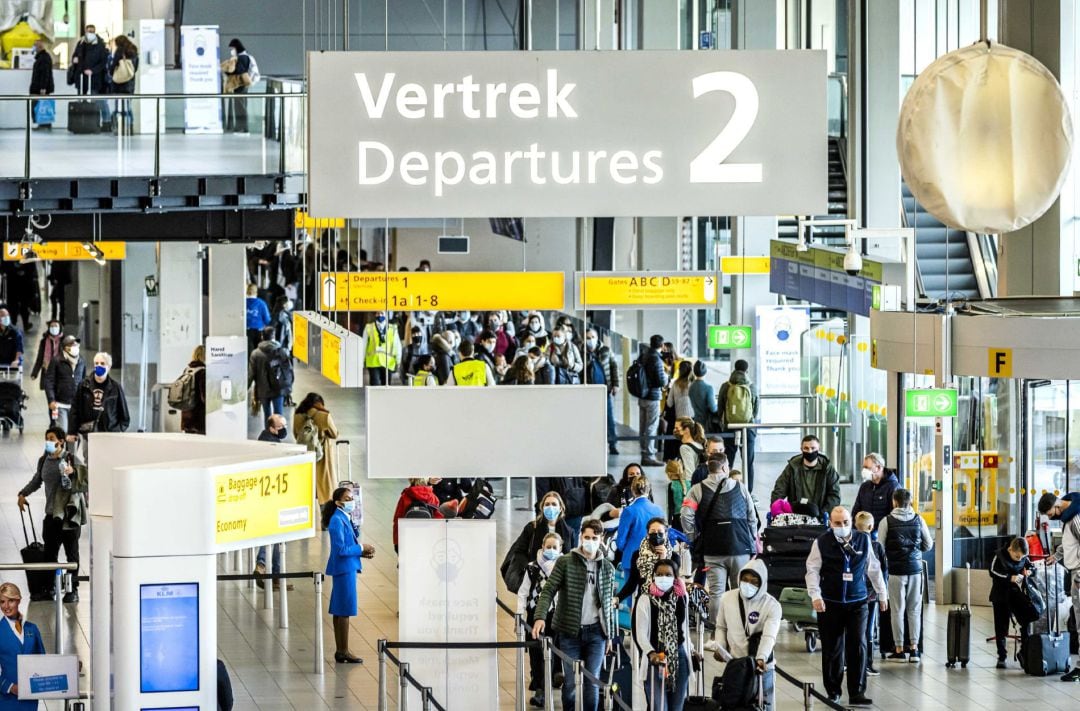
343,595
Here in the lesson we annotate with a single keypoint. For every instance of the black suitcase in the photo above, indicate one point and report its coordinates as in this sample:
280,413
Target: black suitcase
790,540
958,631
618,674
785,572
84,116
41,584
1046,653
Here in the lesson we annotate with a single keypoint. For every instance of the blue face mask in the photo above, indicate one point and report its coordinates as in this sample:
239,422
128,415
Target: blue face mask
101,371
551,553
348,506
50,447
551,512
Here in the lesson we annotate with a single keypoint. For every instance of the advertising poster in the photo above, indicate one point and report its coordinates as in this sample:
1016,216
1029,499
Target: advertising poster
169,638
779,367
226,387
201,74
446,592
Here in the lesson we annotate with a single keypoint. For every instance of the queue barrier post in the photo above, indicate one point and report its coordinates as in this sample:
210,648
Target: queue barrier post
579,685
58,608
318,661
425,698
283,586
549,693
403,692
519,678
382,674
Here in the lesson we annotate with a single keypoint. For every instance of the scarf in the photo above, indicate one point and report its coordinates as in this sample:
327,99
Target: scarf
647,558
667,626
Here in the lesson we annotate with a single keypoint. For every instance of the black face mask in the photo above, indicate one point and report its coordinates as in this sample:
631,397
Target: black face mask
657,538
282,433
810,456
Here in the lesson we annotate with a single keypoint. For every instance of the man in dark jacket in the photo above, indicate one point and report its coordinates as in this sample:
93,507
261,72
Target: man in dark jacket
99,404
809,478
649,403
270,370
89,60
442,347
62,378
11,341
738,388
41,81
601,369
876,492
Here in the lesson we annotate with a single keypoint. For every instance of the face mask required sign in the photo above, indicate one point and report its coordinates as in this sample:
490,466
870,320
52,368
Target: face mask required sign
440,291
264,502
566,134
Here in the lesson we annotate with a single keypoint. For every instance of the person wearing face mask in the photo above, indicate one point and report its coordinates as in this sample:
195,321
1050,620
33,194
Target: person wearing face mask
276,429
17,637
57,473
1066,509
536,575
61,379
466,326
270,372
713,445
281,320
551,519
905,537
99,404
48,348
534,327
11,341
721,521
582,590
565,358
442,348
424,377
42,84
484,348
621,495
256,315
505,345
88,62
661,620
543,373
654,547
877,488
840,563
602,369
748,624
240,72
414,350
809,479
634,522
470,371
382,350
343,565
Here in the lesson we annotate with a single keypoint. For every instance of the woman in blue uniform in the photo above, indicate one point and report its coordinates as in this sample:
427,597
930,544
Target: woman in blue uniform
17,636
344,565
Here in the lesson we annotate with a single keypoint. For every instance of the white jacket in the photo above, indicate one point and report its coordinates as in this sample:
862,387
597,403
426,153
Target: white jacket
763,615
642,623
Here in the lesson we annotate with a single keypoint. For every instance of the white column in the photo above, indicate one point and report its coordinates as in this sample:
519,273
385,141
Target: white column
228,277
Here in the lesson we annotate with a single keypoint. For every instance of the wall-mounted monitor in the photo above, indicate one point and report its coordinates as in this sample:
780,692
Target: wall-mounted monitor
169,637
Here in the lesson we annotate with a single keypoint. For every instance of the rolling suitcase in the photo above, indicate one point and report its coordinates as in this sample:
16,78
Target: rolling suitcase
41,583
958,637
1046,653
84,116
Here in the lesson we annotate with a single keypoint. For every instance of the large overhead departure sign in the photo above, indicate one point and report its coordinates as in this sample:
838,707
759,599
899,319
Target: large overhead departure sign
642,290
471,134
440,291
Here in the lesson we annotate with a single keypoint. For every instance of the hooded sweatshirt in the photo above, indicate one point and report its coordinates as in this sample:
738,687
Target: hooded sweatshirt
412,495
763,614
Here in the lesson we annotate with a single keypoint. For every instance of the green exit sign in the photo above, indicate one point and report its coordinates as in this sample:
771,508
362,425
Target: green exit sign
721,337
930,403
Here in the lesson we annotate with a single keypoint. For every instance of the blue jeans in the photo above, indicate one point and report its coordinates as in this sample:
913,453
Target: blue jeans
676,696
276,558
277,403
611,433
589,646
871,627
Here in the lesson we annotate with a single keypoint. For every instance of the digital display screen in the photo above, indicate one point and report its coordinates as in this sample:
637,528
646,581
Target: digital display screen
169,637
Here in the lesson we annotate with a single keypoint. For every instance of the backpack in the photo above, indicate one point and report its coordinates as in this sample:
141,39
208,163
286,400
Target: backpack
182,395
739,406
309,437
419,509
279,372
253,71
600,490
737,688
636,380
479,503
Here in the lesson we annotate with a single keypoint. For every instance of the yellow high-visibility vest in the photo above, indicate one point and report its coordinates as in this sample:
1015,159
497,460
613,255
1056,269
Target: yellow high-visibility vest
380,353
470,372
420,379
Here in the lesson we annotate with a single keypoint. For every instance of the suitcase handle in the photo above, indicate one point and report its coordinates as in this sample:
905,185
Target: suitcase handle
22,516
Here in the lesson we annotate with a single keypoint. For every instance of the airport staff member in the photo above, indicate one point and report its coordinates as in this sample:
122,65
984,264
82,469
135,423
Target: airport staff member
839,564
383,350
17,636
470,371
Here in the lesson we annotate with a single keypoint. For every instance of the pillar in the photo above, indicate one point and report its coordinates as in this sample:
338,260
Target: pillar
228,284
180,312
138,350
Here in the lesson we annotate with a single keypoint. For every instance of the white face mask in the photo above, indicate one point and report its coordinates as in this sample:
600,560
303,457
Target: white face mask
232,51
590,547
559,340
91,36
664,582
748,590
841,532
867,475
54,330
74,351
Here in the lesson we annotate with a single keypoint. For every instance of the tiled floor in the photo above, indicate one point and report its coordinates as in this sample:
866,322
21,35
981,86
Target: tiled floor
272,667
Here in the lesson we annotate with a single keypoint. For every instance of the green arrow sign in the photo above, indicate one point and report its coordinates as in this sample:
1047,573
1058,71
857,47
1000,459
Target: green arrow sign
725,337
930,403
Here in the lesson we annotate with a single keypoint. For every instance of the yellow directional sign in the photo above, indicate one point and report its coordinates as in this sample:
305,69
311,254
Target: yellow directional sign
264,502
440,291
331,356
744,265
646,289
62,251
300,337
302,220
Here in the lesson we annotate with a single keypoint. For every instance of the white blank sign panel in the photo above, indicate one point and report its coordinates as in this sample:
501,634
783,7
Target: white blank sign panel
522,431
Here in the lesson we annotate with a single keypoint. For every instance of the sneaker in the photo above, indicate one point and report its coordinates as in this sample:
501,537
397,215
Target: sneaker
1074,675
72,596
872,671
897,657
1001,664
613,450
260,569
914,657
537,701
650,462
835,698
860,700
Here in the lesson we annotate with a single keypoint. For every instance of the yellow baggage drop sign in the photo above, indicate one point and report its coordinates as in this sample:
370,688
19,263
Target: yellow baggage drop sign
264,502
646,290
440,291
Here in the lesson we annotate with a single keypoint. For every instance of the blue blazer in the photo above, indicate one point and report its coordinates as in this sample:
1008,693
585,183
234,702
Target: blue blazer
345,548
10,649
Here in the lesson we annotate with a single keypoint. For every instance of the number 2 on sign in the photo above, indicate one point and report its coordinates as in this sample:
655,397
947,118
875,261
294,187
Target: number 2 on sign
709,166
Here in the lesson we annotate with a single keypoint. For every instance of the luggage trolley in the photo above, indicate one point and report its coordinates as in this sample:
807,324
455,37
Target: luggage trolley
784,551
12,398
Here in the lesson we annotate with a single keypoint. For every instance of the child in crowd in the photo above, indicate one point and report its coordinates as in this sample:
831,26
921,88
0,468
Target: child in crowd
536,574
864,521
1009,567
417,500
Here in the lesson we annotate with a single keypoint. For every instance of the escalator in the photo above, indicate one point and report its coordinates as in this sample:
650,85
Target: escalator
950,264
788,226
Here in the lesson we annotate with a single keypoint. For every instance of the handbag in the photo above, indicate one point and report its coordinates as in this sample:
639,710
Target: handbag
44,111
124,71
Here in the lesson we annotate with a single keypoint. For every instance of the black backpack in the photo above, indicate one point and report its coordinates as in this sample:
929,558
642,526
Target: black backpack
419,509
637,382
279,371
737,688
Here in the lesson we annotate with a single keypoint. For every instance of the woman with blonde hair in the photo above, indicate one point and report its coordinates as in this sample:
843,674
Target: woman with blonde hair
17,636
551,519
193,421
690,437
